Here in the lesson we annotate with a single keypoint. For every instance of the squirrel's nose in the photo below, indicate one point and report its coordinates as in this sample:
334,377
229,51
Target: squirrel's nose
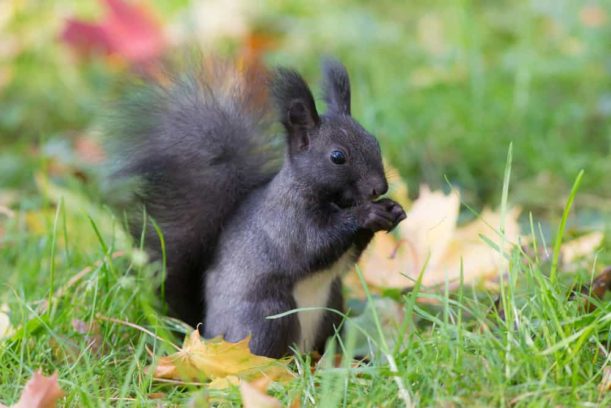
379,188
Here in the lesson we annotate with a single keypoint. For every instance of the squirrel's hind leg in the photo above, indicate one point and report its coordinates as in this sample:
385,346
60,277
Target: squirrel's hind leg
273,337
269,337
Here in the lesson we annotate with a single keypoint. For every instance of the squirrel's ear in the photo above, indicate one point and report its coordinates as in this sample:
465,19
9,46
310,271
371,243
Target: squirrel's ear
336,87
296,106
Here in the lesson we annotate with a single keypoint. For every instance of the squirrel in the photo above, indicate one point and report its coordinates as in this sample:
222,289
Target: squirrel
252,227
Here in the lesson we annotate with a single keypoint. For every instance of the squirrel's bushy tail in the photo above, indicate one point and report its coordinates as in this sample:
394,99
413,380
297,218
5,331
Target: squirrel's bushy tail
189,147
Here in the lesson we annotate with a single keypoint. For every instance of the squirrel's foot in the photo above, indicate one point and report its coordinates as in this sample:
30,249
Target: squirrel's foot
381,215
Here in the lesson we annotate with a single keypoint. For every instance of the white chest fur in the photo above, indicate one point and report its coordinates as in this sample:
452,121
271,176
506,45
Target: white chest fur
313,292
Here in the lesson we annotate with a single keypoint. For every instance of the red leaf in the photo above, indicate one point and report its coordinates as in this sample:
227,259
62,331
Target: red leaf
128,30
85,37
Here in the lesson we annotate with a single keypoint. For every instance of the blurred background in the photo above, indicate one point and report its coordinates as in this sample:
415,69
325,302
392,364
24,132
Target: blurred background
446,86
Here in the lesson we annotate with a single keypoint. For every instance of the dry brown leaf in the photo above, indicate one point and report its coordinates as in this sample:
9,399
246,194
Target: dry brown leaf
254,395
219,361
597,289
479,260
428,230
7,212
429,240
91,333
39,392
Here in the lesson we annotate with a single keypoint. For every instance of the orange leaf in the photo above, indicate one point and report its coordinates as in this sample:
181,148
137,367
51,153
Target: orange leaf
39,392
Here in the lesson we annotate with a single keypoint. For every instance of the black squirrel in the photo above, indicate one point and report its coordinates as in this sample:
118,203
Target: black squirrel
245,236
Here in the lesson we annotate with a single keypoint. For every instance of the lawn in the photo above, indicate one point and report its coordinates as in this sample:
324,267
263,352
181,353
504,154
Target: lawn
508,102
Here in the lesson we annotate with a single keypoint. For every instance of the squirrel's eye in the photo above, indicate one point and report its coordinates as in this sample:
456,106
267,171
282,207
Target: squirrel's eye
338,157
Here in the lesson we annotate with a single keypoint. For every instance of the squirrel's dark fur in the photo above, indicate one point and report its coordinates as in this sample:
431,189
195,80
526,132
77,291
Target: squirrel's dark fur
246,238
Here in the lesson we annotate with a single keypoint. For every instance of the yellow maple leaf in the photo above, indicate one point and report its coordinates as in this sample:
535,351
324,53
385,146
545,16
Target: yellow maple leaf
221,361
429,241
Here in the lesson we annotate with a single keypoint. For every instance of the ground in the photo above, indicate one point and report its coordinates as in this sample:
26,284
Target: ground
447,89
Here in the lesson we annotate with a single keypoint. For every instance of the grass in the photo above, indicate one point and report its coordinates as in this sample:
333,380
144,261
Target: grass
447,88
535,349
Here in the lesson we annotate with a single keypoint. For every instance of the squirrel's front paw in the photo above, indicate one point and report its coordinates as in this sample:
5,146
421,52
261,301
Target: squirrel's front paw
381,215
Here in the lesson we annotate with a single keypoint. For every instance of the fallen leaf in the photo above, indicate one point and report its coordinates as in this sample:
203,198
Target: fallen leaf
128,31
38,221
91,333
156,395
597,289
224,382
76,204
256,44
601,284
6,329
478,259
39,392
427,232
254,396
200,399
605,383
592,16
219,361
89,150
431,34
7,212
397,189
429,241
221,19
580,247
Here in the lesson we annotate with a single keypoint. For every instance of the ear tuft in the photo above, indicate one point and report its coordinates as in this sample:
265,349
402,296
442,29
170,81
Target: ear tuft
294,100
298,115
336,87
296,108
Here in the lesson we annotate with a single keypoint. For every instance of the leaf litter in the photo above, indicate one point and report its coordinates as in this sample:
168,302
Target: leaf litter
39,392
429,241
6,330
222,362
